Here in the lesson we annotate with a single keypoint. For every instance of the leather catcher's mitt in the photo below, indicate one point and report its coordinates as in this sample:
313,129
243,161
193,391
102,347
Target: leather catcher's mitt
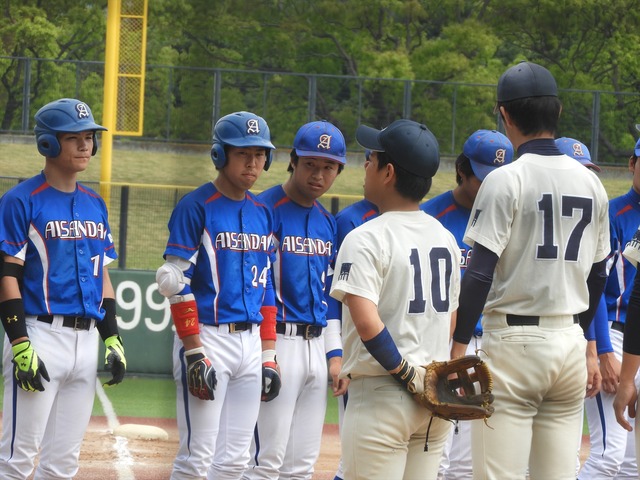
458,398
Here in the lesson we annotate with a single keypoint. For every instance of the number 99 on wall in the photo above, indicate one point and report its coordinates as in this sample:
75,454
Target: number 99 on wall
139,304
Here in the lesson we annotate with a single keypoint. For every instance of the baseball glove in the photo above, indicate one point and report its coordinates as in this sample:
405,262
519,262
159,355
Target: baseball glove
457,398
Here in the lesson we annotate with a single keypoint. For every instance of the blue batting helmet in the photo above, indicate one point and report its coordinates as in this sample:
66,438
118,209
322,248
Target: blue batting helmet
240,129
66,115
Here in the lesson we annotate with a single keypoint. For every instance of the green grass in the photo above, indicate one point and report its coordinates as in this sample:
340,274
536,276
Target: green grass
192,167
155,397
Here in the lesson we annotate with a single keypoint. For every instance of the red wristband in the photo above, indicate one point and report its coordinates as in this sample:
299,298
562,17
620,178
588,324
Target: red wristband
268,325
185,318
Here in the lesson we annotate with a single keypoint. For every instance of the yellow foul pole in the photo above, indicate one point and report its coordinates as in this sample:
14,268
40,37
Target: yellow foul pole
110,91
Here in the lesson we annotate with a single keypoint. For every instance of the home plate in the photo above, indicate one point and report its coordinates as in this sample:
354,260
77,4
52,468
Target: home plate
142,432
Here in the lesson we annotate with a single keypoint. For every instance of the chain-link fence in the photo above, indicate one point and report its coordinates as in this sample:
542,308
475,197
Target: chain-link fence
182,103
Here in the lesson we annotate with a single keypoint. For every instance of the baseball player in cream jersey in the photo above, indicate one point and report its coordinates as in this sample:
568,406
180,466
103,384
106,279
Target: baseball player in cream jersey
289,430
483,152
347,219
217,277
55,242
397,276
540,236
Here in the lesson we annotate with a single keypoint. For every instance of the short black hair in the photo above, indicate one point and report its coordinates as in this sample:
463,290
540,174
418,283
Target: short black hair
294,159
408,184
463,164
534,115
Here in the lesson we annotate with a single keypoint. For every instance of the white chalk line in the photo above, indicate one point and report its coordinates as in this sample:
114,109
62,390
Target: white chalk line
121,446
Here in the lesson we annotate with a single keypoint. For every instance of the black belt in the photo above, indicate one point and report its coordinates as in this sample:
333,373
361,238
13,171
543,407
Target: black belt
237,326
619,326
77,323
514,320
302,330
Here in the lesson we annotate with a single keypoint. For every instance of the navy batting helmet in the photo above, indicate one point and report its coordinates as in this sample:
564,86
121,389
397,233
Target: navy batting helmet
66,115
240,129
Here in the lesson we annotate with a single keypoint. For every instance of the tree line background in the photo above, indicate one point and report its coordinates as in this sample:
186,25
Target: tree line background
357,61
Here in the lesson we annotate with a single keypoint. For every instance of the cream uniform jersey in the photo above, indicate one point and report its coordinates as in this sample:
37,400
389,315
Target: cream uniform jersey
540,234
407,264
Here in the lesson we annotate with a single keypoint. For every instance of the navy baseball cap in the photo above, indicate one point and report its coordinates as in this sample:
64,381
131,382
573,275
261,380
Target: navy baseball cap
321,139
526,79
486,151
576,150
636,150
409,144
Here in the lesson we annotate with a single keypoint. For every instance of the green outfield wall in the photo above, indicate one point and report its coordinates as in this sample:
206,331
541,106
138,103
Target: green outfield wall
144,318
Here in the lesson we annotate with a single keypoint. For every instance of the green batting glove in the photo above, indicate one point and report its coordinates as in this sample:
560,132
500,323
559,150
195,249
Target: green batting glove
28,369
114,360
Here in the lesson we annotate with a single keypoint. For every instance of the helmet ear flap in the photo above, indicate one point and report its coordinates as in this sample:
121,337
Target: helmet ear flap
217,155
48,145
267,164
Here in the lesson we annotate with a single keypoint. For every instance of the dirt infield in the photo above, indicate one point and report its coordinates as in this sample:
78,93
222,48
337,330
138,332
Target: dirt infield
107,457
151,459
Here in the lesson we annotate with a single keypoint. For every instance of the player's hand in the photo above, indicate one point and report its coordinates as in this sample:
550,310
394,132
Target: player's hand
338,385
626,397
201,376
271,382
610,370
411,377
594,378
114,360
28,369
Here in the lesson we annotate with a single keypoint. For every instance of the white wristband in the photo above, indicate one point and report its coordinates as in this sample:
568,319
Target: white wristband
268,356
333,335
193,351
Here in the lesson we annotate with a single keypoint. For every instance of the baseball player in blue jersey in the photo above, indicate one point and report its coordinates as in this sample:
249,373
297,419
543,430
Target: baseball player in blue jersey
289,429
540,219
55,242
625,404
612,453
218,280
398,280
483,152
347,219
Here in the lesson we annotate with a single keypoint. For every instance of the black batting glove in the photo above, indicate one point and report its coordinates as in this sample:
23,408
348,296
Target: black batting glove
201,376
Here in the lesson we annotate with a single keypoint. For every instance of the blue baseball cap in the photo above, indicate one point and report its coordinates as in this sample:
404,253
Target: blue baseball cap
411,145
486,151
636,150
576,150
321,139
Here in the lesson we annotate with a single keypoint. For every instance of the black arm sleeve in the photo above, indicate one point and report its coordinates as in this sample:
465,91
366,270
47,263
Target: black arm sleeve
631,342
108,326
595,283
474,288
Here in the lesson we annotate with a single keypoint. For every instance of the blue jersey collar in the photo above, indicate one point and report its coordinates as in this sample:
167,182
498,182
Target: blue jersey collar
539,146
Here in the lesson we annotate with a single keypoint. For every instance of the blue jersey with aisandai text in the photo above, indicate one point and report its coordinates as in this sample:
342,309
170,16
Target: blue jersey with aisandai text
624,218
305,239
64,240
454,217
230,244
